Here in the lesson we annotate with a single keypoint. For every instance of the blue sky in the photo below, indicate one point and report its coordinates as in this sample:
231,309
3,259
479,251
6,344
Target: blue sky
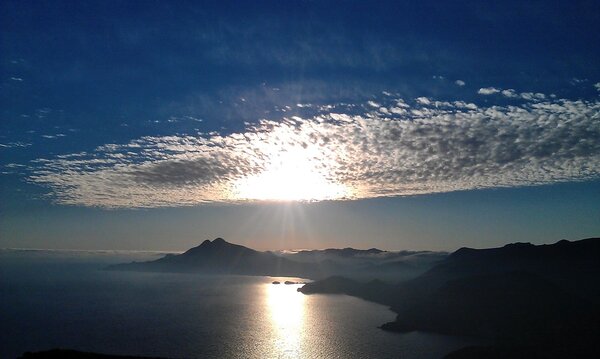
418,125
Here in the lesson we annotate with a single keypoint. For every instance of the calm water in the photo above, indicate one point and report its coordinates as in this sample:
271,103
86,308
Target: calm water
65,300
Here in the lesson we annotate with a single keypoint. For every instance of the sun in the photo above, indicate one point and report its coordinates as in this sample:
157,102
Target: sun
294,174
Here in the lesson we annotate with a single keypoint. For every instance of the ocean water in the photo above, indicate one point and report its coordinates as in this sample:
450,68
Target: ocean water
65,299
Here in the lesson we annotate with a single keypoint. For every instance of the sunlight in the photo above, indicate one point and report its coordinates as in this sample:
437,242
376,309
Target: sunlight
286,307
296,174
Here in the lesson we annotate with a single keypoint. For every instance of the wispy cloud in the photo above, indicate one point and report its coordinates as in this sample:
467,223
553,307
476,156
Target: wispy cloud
14,144
395,147
51,137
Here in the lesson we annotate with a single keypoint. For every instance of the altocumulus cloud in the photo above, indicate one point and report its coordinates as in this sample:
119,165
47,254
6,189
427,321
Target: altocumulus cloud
393,147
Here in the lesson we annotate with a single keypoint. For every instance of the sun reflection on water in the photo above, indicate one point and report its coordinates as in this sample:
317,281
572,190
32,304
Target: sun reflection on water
286,307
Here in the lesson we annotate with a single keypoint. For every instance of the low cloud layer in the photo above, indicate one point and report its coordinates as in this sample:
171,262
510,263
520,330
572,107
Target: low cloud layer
391,147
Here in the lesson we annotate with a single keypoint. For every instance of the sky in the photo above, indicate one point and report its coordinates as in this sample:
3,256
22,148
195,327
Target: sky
298,124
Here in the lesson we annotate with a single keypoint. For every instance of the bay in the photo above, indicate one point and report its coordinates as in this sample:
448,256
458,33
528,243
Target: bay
66,300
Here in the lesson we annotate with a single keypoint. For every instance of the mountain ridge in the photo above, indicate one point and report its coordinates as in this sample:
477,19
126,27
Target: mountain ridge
221,257
543,299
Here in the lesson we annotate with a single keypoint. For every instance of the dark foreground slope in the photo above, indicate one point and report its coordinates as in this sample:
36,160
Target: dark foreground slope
544,298
74,354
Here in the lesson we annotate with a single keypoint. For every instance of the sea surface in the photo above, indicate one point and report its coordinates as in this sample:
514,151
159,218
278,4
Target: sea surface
65,299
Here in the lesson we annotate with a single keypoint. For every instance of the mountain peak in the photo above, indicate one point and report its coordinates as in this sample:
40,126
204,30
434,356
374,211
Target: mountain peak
217,241
208,245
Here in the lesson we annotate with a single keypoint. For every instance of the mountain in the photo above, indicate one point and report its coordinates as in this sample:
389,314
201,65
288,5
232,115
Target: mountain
221,257
573,266
544,299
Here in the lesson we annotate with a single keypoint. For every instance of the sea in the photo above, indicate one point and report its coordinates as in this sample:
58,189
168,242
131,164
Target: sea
65,299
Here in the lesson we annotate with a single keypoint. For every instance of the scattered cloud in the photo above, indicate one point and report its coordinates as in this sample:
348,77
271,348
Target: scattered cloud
488,91
530,96
423,101
577,81
51,137
460,83
597,86
398,150
510,93
14,144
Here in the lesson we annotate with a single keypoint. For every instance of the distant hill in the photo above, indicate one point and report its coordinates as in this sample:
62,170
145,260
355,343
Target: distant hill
336,253
543,298
369,264
221,257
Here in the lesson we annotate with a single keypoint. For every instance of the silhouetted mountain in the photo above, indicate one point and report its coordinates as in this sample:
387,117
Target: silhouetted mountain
222,257
545,297
572,265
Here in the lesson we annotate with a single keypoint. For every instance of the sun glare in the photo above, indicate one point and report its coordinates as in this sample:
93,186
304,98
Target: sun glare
291,175
286,307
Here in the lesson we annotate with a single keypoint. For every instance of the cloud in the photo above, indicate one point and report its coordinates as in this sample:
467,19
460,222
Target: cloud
488,91
597,86
530,96
460,83
433,146
51,137
14,144
423,101
510,93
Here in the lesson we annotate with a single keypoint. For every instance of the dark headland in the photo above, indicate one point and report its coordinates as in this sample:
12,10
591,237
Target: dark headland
529,301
